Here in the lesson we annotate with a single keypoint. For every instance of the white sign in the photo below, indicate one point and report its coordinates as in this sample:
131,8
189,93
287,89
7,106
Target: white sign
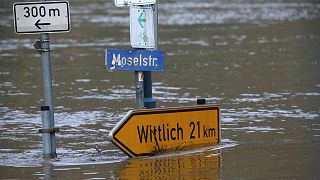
41,17
142,27
121,3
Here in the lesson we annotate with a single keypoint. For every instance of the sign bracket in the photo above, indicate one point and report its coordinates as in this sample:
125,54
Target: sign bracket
38,47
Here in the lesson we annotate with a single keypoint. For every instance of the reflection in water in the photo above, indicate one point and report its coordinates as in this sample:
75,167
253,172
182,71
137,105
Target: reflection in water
47,170
205,165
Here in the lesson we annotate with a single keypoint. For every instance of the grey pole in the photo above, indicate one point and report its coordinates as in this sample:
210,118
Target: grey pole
149,102
139,89
46,74
48,95
46,141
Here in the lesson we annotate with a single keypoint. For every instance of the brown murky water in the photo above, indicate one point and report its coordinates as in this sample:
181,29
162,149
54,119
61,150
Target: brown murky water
259,60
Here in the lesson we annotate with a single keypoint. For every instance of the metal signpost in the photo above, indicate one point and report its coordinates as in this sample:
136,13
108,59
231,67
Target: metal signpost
144,132
43,18
143,36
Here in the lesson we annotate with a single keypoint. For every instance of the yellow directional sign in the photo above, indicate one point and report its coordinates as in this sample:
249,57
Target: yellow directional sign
145,132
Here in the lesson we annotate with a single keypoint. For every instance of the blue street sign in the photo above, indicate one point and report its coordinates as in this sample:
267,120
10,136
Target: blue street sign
135,60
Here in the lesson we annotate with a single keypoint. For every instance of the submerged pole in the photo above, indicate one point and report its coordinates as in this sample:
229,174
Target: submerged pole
49,140
48,134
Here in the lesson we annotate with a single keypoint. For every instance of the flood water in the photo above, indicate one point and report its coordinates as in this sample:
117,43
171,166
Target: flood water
258,59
